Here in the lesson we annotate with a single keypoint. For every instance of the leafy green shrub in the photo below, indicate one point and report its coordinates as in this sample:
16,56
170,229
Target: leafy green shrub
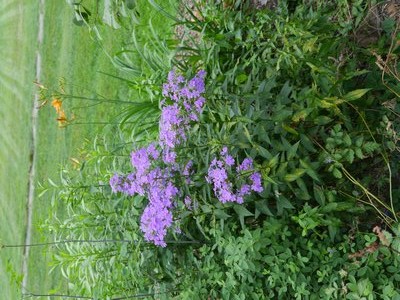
280,92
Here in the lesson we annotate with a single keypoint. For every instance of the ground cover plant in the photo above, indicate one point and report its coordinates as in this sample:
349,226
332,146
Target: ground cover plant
267,168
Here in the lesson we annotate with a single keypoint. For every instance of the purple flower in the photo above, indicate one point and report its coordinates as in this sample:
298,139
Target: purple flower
246,165
245,189
225,193
187,171
169,156
199,103
154,223
224,151
223,188
115,183
229,161
152,151
216,174
188,202
256,182
140,160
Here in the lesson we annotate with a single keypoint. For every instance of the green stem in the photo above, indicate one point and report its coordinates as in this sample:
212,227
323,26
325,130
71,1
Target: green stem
93,242
33,295
115,101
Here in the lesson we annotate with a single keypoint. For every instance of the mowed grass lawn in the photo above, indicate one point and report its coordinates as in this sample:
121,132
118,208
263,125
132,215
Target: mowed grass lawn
18,32
69,52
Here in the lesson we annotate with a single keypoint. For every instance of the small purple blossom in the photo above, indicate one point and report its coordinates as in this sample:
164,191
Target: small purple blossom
229,161
216,173
224,151
169,156
256,182
187,171
140,160
170,134
152,151
246,165
115,183
188,202
223,188
245,189
199,103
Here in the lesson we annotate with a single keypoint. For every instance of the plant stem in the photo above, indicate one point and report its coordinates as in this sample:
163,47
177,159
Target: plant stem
93,241
116,101
33,295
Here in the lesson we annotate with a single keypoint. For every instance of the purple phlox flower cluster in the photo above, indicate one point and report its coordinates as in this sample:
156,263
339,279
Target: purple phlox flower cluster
172,126
154,183
223,187
157,216
187,104
218,177
187,93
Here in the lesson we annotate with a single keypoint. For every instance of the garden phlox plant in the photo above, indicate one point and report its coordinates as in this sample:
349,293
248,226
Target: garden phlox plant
156,166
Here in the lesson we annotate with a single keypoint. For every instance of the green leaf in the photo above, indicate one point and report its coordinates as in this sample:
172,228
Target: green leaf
52,182
350,156
303,192
262,206
358,153
370,147
289,129
322,120
291,153
389,25
241,78
330,102
108,15
242,212
309,170
206,208
347,140
273,162
356,94
396,244
282,202
319,195
329,207
364,287
200,228
221,214
295,175
337,173
130,4
283,96
301,115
